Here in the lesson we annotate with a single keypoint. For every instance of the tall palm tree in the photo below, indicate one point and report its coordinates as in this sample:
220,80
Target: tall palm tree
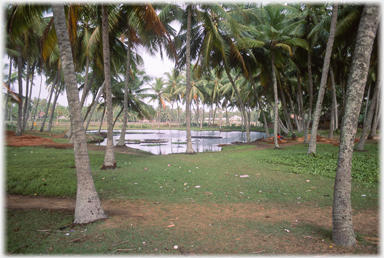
324,76
143,27
109,159
159,96
342,232
88,206
275,35
173,84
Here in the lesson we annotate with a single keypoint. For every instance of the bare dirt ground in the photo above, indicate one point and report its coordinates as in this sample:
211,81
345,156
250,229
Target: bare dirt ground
365,222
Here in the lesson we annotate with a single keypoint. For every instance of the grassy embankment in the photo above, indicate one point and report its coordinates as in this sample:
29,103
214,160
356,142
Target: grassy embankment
208,219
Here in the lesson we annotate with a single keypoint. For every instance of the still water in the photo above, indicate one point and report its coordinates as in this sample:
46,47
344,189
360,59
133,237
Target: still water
161,142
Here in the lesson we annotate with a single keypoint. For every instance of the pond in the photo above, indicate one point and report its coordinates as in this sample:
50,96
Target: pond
161,142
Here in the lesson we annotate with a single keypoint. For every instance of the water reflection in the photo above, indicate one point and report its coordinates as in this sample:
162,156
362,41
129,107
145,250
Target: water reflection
175,141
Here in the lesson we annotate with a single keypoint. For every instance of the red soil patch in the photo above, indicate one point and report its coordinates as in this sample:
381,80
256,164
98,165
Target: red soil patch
32,140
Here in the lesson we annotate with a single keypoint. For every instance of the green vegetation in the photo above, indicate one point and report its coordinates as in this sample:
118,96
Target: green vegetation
365,165
192,191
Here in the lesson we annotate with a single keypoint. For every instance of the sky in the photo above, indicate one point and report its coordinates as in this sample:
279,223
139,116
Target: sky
153,66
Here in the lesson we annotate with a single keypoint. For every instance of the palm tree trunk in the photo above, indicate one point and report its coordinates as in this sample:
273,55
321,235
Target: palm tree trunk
102,117
285,109
121,141
95,101
324,76
310,86
300,102
88,206
376,116
342,232
187,97
30,94
20,79
9,86
26,96
109,159
276,108
53,109
368,121
37,105
49,102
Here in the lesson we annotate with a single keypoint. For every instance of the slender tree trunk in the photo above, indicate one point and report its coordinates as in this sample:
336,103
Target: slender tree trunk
20,80
118,115
276,109
49,102
102,117
37,105
9,87
26,96
332,121
310,104
53,109
367,103
121,141
376,116
301,105
242,108
109,160
342,233
30,93
324,75
285,109
368,121
88,206
95,101
187,97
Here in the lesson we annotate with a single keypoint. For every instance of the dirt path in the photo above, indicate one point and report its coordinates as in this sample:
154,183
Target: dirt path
148,213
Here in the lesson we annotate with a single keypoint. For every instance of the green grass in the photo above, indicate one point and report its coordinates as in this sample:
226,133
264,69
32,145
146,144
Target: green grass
274,182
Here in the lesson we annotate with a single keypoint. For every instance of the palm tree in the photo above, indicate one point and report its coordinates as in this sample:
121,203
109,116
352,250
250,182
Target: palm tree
160,96
274,35
342,232
109,159
324,76
88,206
174,83
138,32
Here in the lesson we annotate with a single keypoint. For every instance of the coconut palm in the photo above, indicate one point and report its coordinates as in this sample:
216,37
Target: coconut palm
324,76
88,206
275,35
173,84
159,96
342,232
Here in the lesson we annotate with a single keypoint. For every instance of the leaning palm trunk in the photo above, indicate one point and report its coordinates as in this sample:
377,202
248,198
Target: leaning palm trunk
188,89
94,106
88,206
324,76
109,159
375,120
376,116
368,121
121,141
342,233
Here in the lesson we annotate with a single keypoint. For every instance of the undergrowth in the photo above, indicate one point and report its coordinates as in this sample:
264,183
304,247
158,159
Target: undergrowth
365,167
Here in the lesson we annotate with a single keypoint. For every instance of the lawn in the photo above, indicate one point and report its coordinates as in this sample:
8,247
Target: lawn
245,199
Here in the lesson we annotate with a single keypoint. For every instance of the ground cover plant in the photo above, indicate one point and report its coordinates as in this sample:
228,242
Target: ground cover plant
241,200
